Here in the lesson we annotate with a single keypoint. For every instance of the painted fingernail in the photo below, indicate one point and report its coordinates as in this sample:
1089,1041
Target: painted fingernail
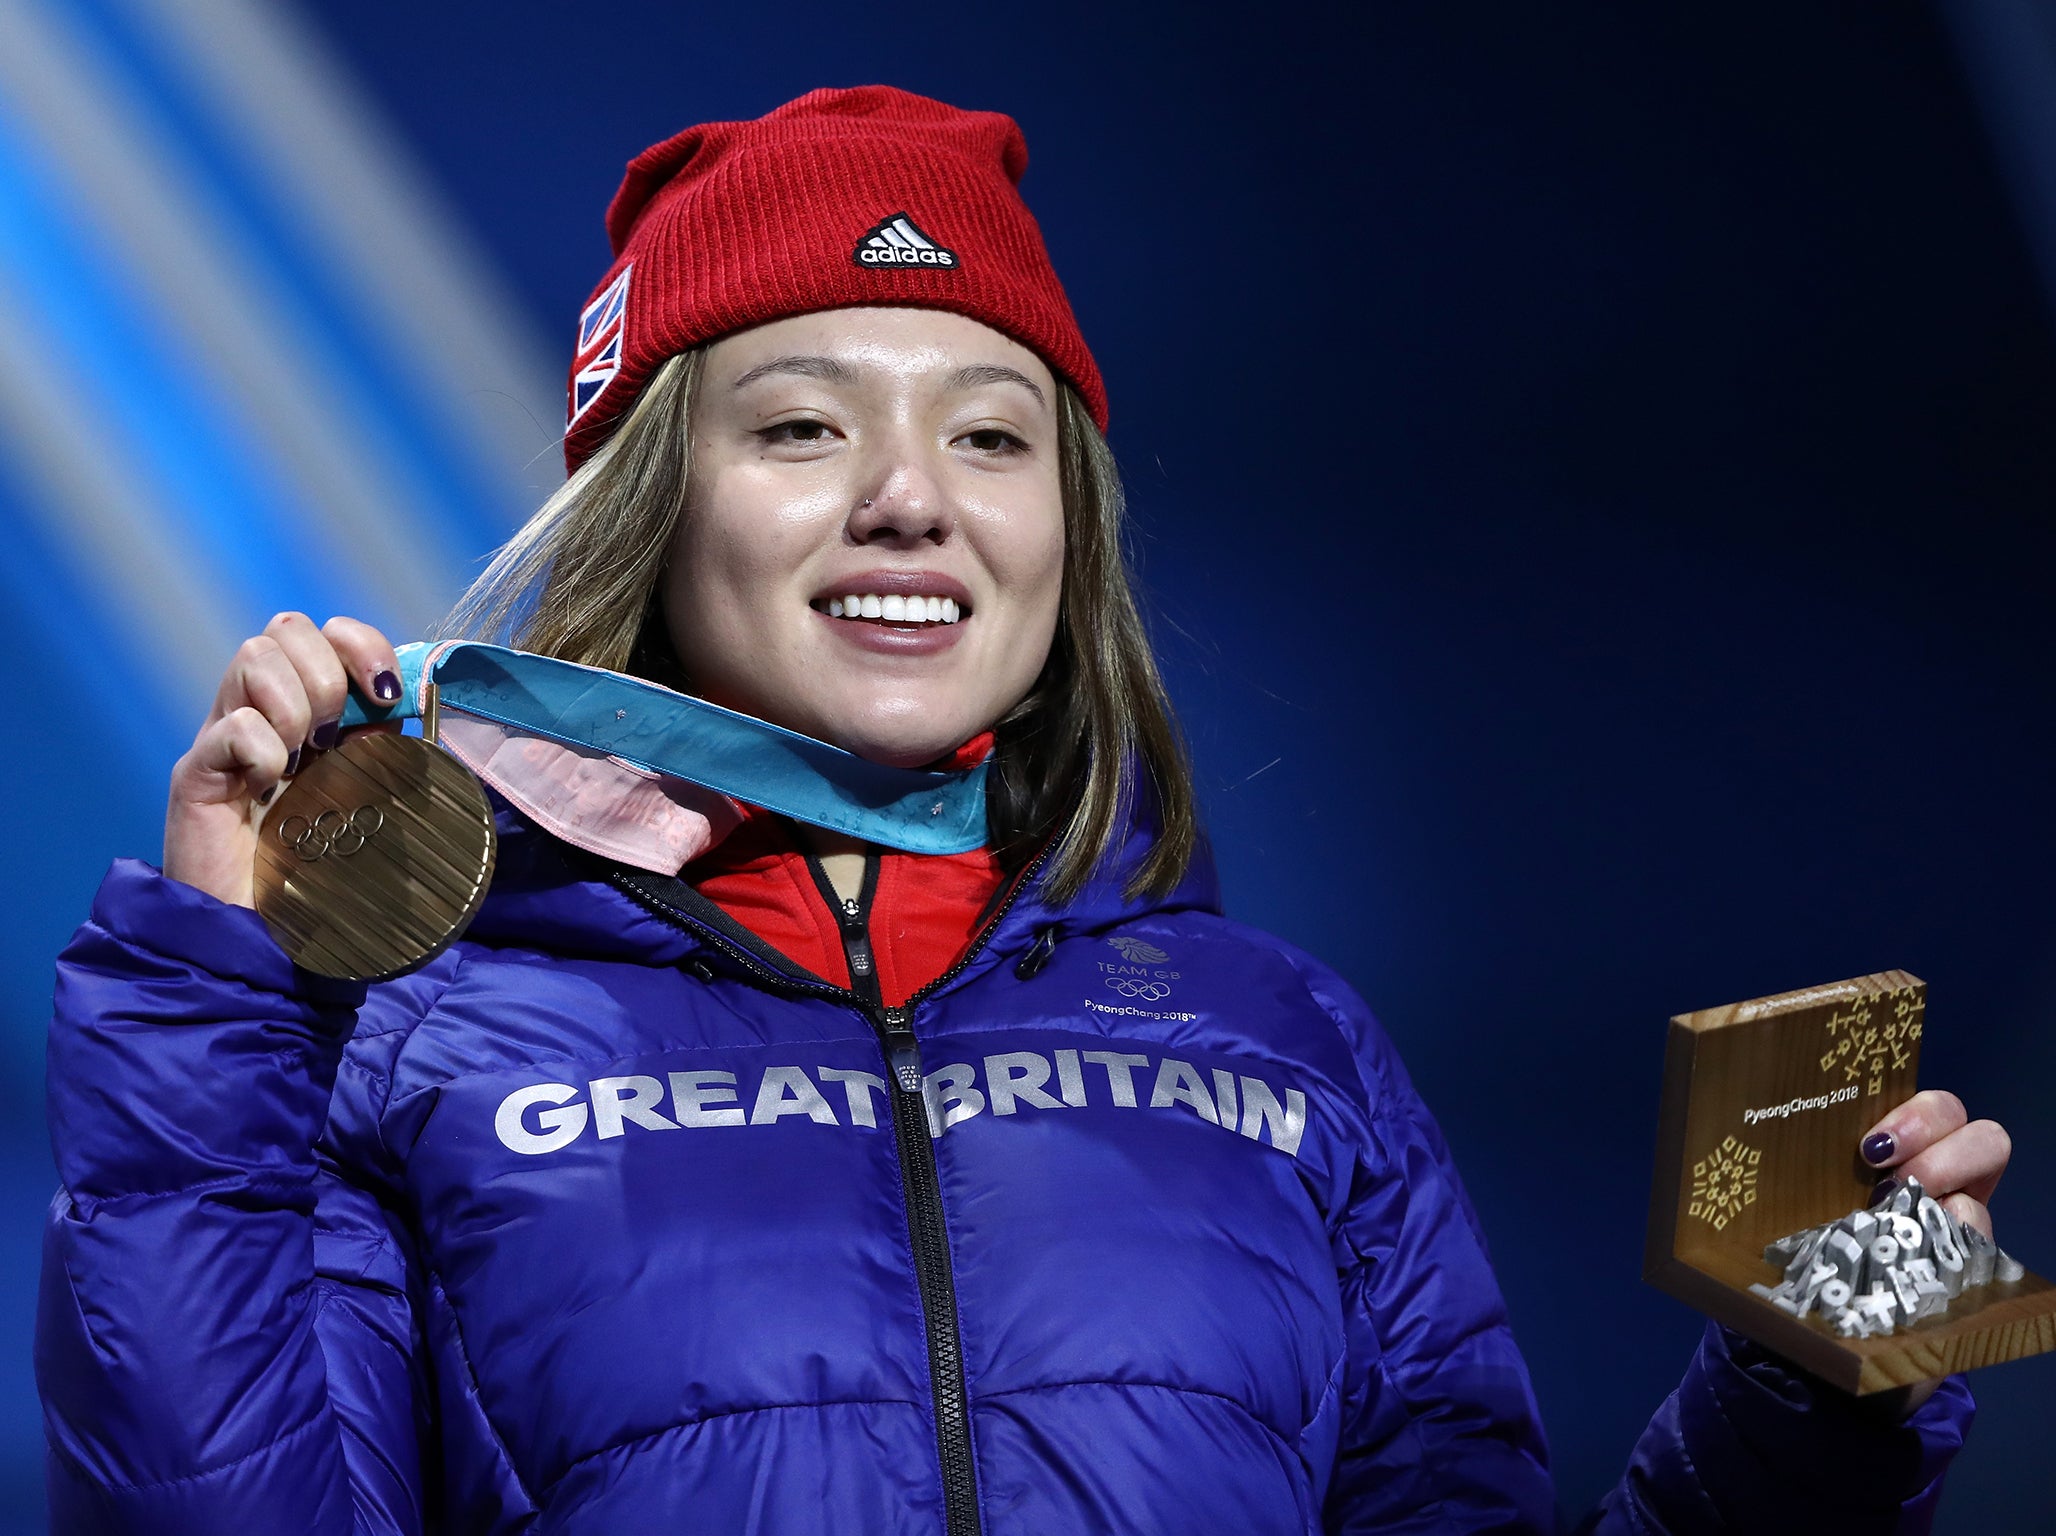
386,687
1878,1148
265,798
1883,1190
326,735
293,762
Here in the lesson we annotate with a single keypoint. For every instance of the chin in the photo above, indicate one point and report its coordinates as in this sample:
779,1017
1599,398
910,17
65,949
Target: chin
897,727
898,752
905,744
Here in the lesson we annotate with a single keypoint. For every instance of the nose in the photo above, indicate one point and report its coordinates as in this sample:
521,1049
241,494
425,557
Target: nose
903,505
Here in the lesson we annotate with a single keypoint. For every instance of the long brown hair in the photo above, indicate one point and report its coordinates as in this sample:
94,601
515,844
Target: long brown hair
581,581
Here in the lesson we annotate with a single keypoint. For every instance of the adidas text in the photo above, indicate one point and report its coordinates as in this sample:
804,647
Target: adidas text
898,242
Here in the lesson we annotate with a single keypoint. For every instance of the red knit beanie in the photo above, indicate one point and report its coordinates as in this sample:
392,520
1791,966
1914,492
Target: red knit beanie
843,197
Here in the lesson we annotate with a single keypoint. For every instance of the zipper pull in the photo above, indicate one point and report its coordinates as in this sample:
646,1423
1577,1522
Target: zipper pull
856,944
858,953
902,1050
1031,964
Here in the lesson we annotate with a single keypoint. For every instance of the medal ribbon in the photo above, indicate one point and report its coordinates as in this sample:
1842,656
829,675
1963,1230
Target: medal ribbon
673,734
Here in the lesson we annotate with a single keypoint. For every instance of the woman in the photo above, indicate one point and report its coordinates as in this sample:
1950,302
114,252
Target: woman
804,1186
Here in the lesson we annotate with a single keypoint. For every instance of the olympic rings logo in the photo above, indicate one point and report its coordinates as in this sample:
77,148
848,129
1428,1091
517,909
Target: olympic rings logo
1141,991
331,832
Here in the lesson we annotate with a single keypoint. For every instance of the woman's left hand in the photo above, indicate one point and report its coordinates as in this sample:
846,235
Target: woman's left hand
1958,1160
1932,1138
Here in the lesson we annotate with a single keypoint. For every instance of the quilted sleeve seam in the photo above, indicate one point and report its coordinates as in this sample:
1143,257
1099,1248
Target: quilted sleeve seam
82,1475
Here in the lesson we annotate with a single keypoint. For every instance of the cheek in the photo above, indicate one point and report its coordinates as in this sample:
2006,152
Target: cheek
734,561
1043,577
705,606
1026,551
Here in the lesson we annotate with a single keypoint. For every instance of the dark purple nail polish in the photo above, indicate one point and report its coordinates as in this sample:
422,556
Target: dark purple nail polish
386,687
1883,1190
1878,1148
265,798
293,762
326,735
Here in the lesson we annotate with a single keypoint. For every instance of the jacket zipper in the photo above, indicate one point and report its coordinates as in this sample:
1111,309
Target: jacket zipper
934,1274
927,1228
853,924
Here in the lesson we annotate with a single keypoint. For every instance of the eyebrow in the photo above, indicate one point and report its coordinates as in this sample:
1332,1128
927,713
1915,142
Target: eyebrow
971,376
833,371
827,369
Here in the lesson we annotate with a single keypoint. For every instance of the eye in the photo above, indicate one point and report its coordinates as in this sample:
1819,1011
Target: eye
803,429
993,440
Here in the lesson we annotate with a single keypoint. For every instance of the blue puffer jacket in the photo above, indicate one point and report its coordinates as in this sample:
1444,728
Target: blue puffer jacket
606,1222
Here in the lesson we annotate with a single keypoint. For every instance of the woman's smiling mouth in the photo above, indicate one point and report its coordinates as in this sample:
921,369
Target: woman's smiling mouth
892,608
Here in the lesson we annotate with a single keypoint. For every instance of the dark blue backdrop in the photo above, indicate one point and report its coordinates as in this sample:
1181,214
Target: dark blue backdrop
1593,473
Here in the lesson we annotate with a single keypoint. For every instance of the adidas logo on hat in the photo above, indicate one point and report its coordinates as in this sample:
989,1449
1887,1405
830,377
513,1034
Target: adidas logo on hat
895,242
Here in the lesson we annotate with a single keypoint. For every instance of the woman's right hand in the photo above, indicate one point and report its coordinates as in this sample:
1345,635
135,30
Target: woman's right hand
279,703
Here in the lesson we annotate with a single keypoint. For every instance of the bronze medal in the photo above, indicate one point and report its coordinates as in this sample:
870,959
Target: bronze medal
376,858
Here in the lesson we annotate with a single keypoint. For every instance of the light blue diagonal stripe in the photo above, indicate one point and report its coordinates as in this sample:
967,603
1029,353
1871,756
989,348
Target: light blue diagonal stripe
159,601
228,319
149,403
388,398
337,173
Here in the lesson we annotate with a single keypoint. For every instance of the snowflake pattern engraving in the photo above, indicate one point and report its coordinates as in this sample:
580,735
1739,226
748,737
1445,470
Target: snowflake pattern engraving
1864,1047
1723,1182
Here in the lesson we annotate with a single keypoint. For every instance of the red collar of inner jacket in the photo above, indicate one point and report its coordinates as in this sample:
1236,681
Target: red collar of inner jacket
924,908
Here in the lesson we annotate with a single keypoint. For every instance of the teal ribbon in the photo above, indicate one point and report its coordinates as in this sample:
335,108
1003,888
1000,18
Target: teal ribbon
752,760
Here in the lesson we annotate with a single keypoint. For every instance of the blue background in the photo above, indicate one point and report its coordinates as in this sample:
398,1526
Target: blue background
1593,476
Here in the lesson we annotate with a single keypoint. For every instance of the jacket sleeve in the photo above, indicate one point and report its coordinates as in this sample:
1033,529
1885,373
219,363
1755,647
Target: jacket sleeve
1749,1443
1440,1431
224,1340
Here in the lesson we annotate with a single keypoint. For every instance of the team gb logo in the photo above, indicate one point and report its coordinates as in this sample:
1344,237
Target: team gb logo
1136,952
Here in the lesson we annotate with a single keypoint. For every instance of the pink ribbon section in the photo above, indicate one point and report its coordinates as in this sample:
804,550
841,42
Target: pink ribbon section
593,801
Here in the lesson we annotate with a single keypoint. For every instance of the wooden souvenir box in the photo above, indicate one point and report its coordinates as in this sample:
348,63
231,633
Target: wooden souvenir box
1763,1105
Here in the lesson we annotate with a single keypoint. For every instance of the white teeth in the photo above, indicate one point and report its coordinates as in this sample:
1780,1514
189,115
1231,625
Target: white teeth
895,608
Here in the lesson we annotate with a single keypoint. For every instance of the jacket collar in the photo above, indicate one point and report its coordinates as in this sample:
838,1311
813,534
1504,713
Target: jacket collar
563,901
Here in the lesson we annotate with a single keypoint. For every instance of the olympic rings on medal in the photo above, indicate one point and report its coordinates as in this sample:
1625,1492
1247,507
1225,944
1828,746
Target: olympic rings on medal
1142,991
331,832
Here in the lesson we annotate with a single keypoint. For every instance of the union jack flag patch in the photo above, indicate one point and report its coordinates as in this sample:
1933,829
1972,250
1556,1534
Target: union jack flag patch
598,357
